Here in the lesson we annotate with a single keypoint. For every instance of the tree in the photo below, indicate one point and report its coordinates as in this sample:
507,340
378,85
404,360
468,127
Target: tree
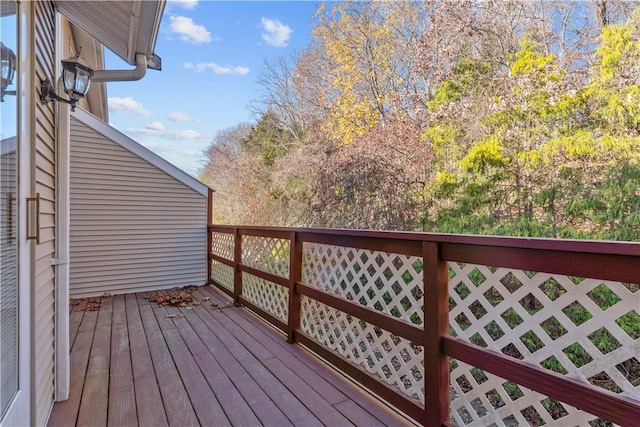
375,182
366,55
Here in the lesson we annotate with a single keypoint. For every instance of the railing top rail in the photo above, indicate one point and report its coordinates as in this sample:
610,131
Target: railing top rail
631,249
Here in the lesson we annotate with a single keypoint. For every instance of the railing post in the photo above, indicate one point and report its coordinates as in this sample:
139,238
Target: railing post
237,260
295,275
436,325
209,233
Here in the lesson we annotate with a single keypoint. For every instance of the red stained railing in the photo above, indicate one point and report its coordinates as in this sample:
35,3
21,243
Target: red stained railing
273,258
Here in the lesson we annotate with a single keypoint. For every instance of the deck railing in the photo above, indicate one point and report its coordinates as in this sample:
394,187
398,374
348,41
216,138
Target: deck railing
452,330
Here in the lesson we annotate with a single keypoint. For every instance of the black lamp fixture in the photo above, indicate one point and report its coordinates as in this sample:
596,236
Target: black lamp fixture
76,77
8,60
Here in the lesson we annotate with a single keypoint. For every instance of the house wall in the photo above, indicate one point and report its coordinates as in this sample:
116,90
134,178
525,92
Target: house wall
137,222
44,157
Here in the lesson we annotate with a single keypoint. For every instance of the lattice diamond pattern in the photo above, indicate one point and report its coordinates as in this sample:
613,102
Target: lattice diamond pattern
272,298
393,359
479,398
387,282
222,274
579,327
222,245
266,254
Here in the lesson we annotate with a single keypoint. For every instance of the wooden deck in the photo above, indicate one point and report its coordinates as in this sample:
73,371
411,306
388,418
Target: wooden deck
135,363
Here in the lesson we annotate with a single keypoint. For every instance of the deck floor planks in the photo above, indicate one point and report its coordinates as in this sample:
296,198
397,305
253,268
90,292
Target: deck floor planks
95,394
263,407
285,400
149,406
132,364
293,356
65,413
310,398
75,320
121,388
235,407
308,368
174,396
205,404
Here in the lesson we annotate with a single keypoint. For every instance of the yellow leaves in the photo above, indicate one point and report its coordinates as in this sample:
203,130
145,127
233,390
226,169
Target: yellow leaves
358,46
446,178
616,45
485,154
583,145
528,60
440,134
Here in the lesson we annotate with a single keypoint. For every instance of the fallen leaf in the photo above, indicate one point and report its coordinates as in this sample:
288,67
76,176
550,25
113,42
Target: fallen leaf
206,298
171,316
196,303
179,316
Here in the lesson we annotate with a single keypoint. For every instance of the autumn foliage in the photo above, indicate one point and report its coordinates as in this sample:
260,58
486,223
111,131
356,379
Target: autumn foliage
495,117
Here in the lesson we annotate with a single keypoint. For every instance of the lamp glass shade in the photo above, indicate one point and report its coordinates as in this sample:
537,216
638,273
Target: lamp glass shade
83,80
76,76
69,78
8,62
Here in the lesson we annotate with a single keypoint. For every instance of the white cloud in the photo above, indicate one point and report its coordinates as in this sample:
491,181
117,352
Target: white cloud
168,134
155,126
127,105
189,31
217,69
177,116
184,4
275,32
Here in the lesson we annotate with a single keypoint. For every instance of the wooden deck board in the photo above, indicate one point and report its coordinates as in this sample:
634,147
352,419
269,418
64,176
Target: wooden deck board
236,408
148,400
324,379
136,364
65,413
264,409
121,388
174,396
95,394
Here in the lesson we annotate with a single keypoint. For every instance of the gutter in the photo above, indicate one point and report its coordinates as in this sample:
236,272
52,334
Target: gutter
123,75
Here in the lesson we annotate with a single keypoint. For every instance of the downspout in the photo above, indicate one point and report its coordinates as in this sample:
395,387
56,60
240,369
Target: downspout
123,75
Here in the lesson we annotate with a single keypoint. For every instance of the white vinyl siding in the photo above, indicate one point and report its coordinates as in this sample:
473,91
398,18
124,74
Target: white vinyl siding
134,226
43,320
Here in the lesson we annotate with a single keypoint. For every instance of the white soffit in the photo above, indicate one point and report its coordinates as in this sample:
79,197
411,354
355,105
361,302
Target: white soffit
126,27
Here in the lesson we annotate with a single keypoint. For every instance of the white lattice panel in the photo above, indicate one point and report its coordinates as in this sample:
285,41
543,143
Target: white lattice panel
394,360
389,283
266,254
222,274
272,298
222,245
584,328
480,399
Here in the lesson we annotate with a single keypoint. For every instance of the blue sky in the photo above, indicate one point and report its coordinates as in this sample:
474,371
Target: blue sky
212,53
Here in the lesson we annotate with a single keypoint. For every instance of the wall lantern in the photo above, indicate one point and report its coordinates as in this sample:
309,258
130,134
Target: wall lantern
76,77
8,60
